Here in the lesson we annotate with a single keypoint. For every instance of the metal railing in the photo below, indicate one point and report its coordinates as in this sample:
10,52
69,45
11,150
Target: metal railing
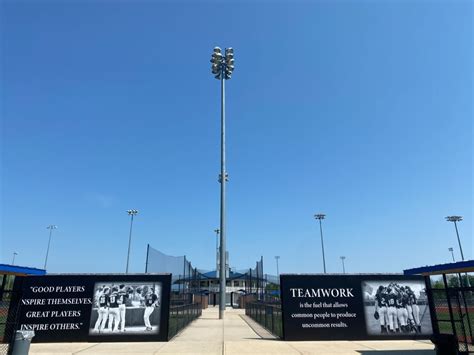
452,307
267,315
181,316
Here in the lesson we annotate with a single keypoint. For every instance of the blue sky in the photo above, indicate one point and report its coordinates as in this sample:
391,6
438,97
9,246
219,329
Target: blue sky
358,109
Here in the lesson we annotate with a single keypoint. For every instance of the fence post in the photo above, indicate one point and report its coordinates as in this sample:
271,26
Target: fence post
446,289
273,321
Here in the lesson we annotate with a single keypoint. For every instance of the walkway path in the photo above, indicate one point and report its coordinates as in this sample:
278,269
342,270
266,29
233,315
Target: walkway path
237,334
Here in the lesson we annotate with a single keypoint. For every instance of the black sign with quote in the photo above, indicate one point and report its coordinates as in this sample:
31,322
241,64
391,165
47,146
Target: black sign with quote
95,307
355,307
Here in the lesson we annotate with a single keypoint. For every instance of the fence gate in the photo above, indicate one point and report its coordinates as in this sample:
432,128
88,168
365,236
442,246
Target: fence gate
453,311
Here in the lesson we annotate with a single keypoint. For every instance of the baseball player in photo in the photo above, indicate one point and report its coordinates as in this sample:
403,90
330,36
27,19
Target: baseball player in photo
392,310
102,302
413,310
151,301
136,298
122,299
381,308
402,313
114,313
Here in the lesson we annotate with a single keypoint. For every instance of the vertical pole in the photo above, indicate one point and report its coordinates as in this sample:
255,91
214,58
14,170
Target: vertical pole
459,240
250,280
147,253
184,274
222,212
343,267
468,283
258,281
262,285
278,271
431,304
322,244
462,294
448,297
452,254
129,243
47,250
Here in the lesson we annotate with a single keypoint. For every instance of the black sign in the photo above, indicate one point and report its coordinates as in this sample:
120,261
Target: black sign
350,307
95,308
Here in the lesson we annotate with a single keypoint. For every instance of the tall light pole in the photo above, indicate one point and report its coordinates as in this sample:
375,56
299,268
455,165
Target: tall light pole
14,254
343,266
131,213
277,258
217,231
321,216
50,227
456,219
452,254
222,68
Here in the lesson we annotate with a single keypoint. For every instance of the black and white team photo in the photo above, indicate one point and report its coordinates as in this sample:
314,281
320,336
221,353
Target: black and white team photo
396,308
126,308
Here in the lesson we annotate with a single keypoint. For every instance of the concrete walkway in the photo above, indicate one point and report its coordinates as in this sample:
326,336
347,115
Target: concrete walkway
237,334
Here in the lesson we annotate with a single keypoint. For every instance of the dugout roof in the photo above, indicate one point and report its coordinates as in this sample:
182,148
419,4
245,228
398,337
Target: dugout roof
450,268
20,270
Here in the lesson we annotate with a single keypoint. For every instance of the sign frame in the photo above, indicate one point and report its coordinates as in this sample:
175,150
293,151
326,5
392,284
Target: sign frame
85,285
353,281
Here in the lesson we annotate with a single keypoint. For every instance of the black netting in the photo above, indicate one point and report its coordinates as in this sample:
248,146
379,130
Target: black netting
184,277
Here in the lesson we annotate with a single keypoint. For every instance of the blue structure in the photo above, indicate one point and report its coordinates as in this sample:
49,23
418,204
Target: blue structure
450,268
7,269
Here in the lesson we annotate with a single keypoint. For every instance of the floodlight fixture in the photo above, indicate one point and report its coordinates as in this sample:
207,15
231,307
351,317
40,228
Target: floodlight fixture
222,66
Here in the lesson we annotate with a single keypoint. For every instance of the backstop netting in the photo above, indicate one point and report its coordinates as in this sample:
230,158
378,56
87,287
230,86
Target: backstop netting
184,277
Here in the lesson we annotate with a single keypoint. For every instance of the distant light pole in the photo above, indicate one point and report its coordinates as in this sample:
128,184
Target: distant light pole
456,219
277,258
131,213
343,266
459,219
14,254
50,227
217,231
452,254
321,216
222,68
